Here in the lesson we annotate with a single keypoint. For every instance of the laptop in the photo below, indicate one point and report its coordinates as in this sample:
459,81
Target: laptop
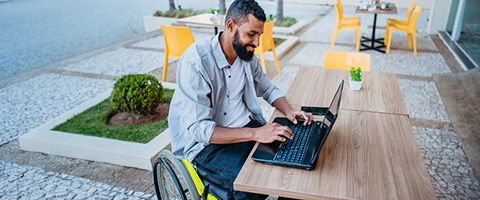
302,150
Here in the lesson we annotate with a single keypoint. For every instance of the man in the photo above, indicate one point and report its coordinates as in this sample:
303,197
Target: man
215,118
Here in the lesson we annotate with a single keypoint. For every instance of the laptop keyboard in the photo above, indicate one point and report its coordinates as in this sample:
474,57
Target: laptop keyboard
294,150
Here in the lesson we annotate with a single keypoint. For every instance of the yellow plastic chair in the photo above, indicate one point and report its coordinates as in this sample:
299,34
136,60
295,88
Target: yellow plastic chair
177,40
391,21
344,60
345,23
409,28
168,173
266,44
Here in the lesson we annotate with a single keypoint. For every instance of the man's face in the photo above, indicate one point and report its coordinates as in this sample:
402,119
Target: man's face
246,37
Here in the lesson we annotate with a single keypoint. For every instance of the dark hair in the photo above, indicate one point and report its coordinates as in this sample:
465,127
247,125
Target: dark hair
239,10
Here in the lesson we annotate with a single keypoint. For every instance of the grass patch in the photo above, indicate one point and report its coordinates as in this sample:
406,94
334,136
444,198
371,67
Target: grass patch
286,22
179,13
278,41
94,122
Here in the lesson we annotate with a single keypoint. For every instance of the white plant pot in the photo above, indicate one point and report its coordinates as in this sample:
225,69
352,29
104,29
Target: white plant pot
355,85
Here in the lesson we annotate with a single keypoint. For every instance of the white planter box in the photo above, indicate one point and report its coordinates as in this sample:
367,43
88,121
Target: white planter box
129,154
355,85
151,23
283,48
292,29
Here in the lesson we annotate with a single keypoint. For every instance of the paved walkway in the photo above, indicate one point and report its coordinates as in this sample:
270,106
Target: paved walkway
27,104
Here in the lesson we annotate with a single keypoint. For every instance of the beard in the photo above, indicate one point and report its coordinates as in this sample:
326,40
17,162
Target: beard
241,49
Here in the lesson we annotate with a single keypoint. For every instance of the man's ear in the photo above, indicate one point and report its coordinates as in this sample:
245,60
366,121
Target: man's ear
230,25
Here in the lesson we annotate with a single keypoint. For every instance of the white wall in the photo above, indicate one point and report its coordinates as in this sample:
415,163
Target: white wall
439,16
426,4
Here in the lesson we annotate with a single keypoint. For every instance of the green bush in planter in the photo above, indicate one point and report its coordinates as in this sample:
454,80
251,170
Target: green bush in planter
355,73
138,93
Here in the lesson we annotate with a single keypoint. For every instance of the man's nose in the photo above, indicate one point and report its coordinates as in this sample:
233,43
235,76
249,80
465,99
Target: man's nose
256,41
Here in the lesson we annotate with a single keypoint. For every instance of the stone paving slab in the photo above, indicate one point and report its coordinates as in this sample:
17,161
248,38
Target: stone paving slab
159,43
26,182
120,62
422,100
444,156
29,104
398,61
461,96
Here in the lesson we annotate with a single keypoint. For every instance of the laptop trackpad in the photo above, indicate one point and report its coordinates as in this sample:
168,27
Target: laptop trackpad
266,151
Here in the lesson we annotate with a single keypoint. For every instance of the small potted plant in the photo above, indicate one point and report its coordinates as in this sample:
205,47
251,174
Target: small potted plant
355,78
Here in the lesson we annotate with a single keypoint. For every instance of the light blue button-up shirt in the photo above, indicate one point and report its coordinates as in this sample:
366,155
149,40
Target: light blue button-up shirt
200,100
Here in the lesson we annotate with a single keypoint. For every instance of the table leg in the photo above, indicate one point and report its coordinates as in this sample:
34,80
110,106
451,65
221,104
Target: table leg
373,40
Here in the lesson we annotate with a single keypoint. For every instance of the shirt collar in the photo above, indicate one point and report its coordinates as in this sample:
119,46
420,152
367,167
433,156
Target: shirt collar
220,57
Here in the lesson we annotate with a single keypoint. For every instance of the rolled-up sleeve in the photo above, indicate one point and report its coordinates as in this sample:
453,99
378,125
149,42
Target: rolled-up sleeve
263,86
192,107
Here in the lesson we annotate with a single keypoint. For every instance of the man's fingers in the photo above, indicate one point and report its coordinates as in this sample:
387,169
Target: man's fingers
279,138
285,131
304,115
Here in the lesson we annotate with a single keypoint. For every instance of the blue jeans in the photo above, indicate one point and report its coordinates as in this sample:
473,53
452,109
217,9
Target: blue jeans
221,163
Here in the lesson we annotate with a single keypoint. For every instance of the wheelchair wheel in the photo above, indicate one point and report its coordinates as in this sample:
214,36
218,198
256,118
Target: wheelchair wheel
171,179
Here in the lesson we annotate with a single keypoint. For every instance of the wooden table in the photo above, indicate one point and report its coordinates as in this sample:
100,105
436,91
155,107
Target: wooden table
205,19
372,40
380,92
368,155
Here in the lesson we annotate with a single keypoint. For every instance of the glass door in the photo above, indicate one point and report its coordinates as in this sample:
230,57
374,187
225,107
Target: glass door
469,37
463,31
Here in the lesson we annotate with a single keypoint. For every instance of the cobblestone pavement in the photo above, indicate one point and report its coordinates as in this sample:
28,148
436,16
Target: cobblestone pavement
28,104
452,175
25,182
31,103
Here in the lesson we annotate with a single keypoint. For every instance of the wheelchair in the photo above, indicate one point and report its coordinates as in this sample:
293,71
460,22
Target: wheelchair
178,179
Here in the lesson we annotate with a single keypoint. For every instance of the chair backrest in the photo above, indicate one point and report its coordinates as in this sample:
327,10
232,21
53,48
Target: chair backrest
344,60
412,23
410,10
266,39
177,40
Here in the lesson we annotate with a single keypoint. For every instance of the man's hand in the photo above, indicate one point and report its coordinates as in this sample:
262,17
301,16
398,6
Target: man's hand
292,116
272,132
282,105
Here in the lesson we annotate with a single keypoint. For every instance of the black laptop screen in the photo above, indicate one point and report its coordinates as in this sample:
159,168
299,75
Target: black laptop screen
332,113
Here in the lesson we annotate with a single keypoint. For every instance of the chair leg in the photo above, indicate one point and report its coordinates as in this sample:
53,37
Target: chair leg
262,61
389,39
334,38
409,39
414,38
165,67
277,64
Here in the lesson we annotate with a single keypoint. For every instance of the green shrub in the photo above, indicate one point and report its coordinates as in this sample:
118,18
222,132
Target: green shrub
179,13
138,93
356,73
